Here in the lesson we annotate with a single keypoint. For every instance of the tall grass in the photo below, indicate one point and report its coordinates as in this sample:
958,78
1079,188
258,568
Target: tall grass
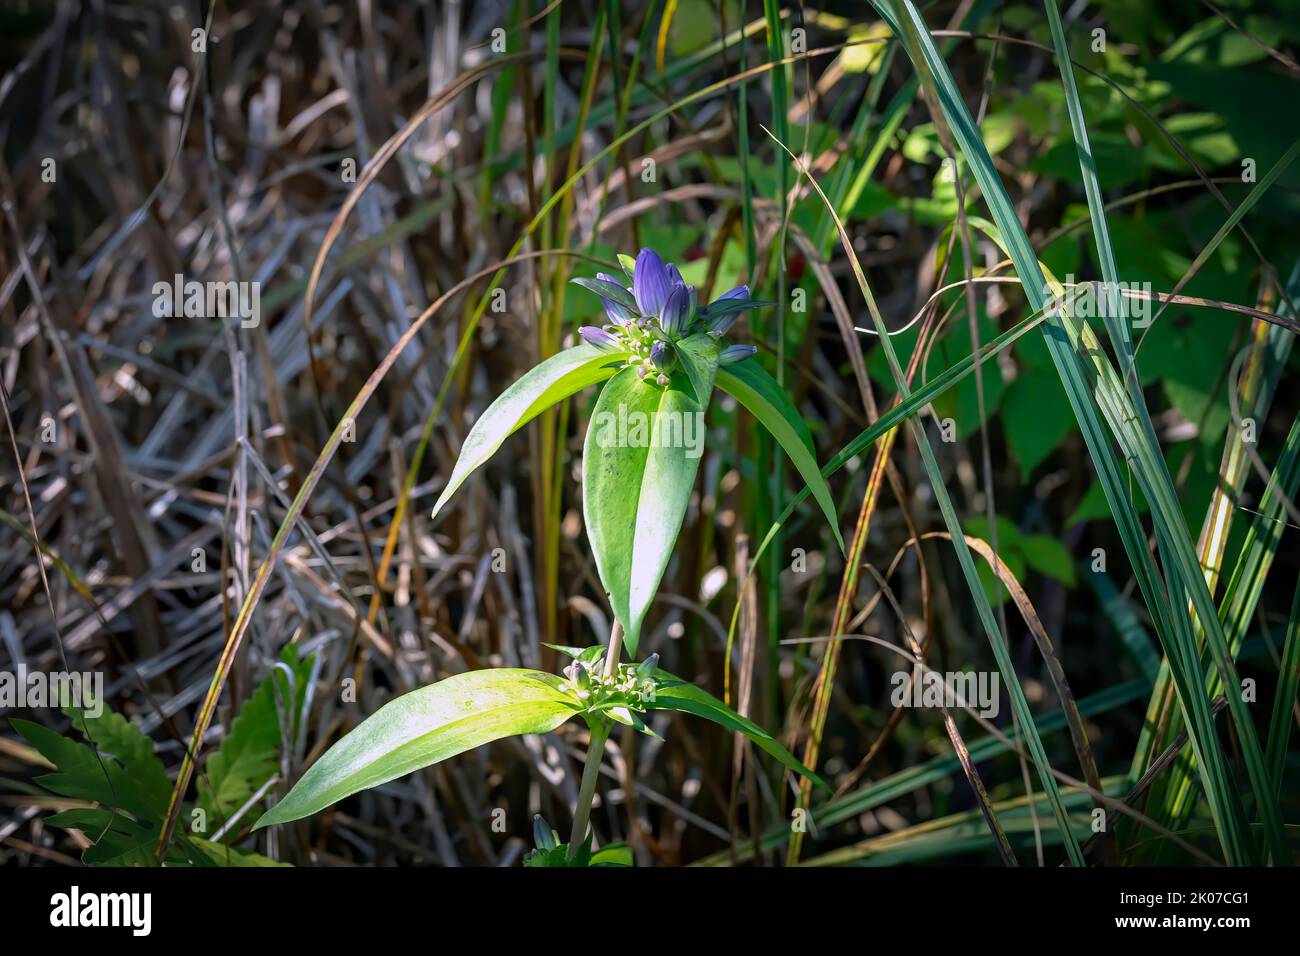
772,158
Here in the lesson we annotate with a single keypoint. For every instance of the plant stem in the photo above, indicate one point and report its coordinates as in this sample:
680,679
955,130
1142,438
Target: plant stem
595,750
615,649
590,774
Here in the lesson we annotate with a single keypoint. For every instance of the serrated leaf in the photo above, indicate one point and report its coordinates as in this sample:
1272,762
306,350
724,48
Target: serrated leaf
767,401
698,355
117,839
545,384
250,752
677,694
112,734
424,727
98,778
636,485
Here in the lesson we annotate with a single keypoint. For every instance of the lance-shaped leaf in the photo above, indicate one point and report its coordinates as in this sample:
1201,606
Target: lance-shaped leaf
768,402
424,727
677,694
638,464
608,290
728,306
549,382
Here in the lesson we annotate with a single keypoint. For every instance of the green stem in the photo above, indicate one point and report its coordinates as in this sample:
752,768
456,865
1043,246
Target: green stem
590,774
595,750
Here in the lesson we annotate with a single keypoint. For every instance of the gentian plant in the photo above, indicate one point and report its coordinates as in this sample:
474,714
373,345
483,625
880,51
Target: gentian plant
660,355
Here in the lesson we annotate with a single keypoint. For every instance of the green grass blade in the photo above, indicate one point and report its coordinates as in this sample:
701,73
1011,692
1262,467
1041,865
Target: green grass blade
757,391
1288,680
1001,652
1094,392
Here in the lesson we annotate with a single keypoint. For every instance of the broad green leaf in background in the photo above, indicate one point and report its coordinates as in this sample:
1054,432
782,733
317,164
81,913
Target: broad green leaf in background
122,777
549,382
768,402
116,737
424,727
638,467
677,694
250,751
1048,556
119,840
1036,417
125,774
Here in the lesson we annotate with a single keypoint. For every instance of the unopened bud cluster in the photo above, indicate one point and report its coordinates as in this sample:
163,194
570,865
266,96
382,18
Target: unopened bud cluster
647,320
631,685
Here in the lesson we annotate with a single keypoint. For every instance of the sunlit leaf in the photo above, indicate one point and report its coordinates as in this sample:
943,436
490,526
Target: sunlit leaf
638,467
425,726
679,695
549,382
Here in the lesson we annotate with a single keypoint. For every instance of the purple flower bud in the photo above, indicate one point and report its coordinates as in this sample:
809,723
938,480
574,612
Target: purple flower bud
675,276
651,282
617,312
599,338
677,313
736,353
718,316
718,324
661,355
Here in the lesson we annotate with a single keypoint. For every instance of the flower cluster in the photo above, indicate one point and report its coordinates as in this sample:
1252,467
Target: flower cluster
620,695
647,319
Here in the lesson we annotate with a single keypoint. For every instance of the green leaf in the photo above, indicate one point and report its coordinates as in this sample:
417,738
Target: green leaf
609,290
616,854
424,727
687,698
637,476
116,781
767,401
728,306
221,855
698,354
1048,556
1036,417
112,734
250,751
118,840
549,382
